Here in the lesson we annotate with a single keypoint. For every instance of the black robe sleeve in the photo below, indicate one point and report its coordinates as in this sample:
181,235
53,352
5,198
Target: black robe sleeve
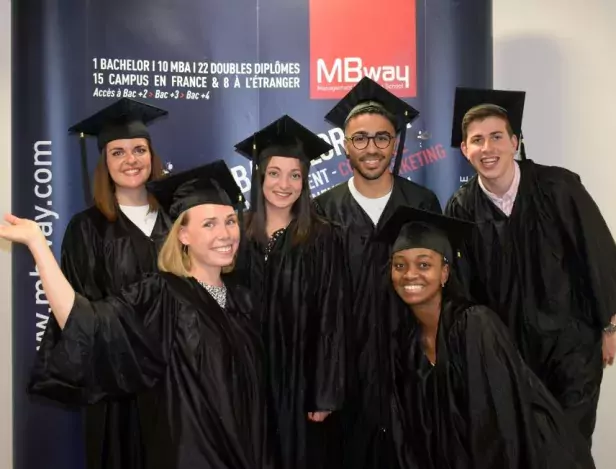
587,230
328,369
431,203
79,259
513,421
109,347
80,254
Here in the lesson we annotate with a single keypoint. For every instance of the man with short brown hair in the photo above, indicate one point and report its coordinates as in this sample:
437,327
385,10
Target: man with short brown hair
542,257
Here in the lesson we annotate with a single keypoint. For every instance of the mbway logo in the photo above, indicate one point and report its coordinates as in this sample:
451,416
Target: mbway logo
351,70
343,50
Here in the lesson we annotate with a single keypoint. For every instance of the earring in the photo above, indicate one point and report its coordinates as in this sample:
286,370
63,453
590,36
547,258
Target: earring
184,248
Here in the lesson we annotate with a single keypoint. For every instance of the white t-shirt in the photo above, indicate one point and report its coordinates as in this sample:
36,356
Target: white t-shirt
141,217
373,207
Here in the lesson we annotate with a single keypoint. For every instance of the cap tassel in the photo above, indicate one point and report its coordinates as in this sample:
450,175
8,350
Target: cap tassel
522,147
240,210
253,188
400,149
85,175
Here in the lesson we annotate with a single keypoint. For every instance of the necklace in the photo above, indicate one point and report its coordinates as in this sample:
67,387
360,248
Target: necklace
425,347
218,293
272,241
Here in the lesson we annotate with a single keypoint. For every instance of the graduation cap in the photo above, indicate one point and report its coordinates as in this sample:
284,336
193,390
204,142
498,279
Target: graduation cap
410,228
368,96
125,118
284,137
207,184
511,102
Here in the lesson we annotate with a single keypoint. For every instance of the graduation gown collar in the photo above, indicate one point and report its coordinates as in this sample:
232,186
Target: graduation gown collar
396,195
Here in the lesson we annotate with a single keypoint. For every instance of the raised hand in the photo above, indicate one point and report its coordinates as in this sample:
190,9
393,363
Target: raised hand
21,230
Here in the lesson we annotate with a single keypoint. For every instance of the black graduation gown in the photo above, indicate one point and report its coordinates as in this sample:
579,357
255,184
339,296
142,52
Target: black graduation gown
304,296
367,415
202,365
549,271
480,406
98,258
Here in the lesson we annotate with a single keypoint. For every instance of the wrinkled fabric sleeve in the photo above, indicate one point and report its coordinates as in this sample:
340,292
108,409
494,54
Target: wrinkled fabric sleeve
587,230
108,348
80,256
501,430
329,364
513,420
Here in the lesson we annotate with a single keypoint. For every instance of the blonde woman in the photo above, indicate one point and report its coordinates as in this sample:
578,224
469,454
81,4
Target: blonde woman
182,338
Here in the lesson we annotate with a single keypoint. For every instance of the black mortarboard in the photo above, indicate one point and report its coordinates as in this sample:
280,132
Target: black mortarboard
208,184
410,228
283,137
125,118
512,102
368,96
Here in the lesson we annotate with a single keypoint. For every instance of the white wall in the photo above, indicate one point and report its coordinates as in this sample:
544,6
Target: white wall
6,399
563,53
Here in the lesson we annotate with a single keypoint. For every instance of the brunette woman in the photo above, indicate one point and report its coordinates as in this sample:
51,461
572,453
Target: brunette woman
293,260
110,245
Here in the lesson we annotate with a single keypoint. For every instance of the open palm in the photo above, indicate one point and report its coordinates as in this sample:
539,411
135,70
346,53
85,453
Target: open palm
20,230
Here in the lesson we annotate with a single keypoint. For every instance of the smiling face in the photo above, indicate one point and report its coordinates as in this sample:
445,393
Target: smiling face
129,162
370,162
282,184
489,147
418,275
212,234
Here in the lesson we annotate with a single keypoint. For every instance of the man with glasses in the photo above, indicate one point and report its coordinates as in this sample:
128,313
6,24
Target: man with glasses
371,118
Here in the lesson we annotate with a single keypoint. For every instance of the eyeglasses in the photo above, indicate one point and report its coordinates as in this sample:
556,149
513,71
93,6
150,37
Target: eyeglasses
361,141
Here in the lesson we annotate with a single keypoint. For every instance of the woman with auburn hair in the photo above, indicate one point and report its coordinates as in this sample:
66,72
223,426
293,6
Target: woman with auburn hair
292,260
110,245
182,338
